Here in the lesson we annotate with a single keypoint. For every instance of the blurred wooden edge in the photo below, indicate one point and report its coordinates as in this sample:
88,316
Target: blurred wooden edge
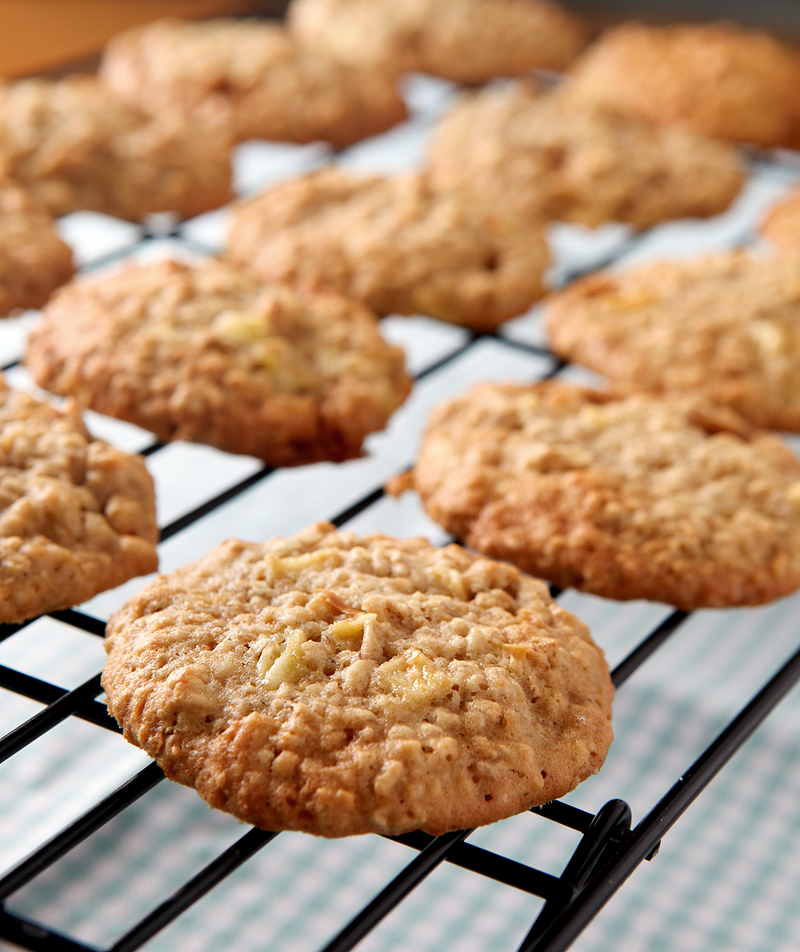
54,37
58,36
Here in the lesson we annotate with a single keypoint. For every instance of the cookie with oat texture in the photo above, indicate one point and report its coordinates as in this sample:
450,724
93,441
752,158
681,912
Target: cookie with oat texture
719,79
76,146
545,157
34,261
339,684
252,78
395,244
77,516
206,353
469,41
724,326
675,500
782,224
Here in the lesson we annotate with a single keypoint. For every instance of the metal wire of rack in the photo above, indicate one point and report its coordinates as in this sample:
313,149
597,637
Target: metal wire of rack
609,848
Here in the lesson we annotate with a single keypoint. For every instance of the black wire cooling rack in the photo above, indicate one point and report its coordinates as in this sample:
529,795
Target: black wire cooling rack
609,849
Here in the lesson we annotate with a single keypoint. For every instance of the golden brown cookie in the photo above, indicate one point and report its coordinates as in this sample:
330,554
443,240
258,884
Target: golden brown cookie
77,146
76,515
469,41
251,77
205,353
546,158
675,499
34,261
339,684
719,79
394,244
782,224
726,326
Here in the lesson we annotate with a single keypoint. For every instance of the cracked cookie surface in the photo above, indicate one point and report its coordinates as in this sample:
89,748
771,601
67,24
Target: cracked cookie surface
205,353
674,500
76,515
340,684
395,244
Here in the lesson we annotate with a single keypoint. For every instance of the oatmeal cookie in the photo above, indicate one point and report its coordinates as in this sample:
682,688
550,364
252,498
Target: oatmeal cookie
34,261
251,77
77,146
782,224
76,515
394,244
339,684
719,79
205,353
726,326
469,41
547,158
675,499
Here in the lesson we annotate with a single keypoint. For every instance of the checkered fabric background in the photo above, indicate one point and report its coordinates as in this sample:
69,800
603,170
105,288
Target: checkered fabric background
727,877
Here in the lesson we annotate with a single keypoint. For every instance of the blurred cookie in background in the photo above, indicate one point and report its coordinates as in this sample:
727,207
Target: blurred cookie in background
719,79
395,244
545,157
78,147
34,261
207,353
724,326
782,224
253,78
468,41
